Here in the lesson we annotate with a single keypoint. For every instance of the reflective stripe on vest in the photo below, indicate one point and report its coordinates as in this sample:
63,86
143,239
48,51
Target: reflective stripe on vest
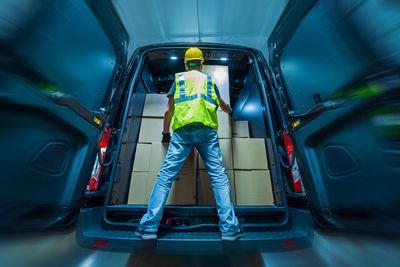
192,97
209,85
183,98
181,80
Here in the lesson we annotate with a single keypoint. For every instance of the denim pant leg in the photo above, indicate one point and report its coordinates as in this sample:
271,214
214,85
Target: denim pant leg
211,154
176,156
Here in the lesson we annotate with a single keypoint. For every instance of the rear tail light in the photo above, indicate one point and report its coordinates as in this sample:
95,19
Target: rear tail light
97,168
289,244
294,168
100,243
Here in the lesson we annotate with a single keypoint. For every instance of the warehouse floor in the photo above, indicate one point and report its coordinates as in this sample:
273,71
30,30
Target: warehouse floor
328,249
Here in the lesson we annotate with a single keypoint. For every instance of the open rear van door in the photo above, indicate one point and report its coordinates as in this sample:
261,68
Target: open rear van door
59,75
338,74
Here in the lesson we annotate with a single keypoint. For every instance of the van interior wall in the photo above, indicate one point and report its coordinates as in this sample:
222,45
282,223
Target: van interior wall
249,107
129,143
147,79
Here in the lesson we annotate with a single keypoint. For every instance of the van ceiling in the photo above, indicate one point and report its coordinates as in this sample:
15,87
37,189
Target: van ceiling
247,23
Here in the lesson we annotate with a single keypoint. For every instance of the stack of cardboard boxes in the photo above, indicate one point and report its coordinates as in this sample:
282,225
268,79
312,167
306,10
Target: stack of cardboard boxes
252,178
205,195
246,165
244,158
150,154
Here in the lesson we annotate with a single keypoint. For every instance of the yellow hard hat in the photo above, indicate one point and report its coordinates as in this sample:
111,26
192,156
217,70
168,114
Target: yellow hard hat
194,53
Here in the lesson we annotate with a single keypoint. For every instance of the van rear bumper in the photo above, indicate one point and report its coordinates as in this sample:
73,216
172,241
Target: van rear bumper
94,234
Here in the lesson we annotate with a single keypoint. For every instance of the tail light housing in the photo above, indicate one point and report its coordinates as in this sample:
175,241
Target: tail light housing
97,168
294,167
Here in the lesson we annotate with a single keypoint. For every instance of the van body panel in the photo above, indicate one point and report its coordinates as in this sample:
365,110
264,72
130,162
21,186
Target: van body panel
297,235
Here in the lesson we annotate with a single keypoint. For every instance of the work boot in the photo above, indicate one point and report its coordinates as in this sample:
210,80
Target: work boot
145,235
233,236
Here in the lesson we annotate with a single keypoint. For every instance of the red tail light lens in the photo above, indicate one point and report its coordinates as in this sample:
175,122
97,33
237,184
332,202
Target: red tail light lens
97,168
294,171
100,243
105,138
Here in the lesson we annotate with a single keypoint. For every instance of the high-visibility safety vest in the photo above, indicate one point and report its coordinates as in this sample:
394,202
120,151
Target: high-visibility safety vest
195,100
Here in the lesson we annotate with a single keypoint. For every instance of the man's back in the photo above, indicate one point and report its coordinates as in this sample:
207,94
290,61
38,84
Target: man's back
195,100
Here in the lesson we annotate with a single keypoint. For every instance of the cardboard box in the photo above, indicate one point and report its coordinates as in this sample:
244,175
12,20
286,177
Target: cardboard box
142,158
240,129
224,125
249,154
253,187
157,155
183,191
226,151
151,130
155,105
205,194
150,156
137,188
220,75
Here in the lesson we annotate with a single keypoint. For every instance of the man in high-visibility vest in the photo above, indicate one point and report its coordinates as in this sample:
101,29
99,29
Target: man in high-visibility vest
192,106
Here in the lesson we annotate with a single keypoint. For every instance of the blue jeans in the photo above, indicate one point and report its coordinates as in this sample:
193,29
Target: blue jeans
205,139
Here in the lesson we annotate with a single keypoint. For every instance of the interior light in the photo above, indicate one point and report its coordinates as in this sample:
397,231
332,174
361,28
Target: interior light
223,59
174,58
250,107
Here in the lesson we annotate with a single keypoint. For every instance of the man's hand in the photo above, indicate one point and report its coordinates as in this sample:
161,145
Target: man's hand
166,137
226,108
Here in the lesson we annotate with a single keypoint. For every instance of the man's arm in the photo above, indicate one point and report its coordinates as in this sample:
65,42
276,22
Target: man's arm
168,114
224,106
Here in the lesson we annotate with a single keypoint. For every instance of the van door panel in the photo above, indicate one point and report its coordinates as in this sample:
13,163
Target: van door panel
348,155
57,50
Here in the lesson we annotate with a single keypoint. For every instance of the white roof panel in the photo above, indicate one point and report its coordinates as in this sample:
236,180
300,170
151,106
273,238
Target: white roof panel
248,23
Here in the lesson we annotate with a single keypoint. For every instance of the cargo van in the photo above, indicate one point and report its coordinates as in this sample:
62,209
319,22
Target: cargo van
312,141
